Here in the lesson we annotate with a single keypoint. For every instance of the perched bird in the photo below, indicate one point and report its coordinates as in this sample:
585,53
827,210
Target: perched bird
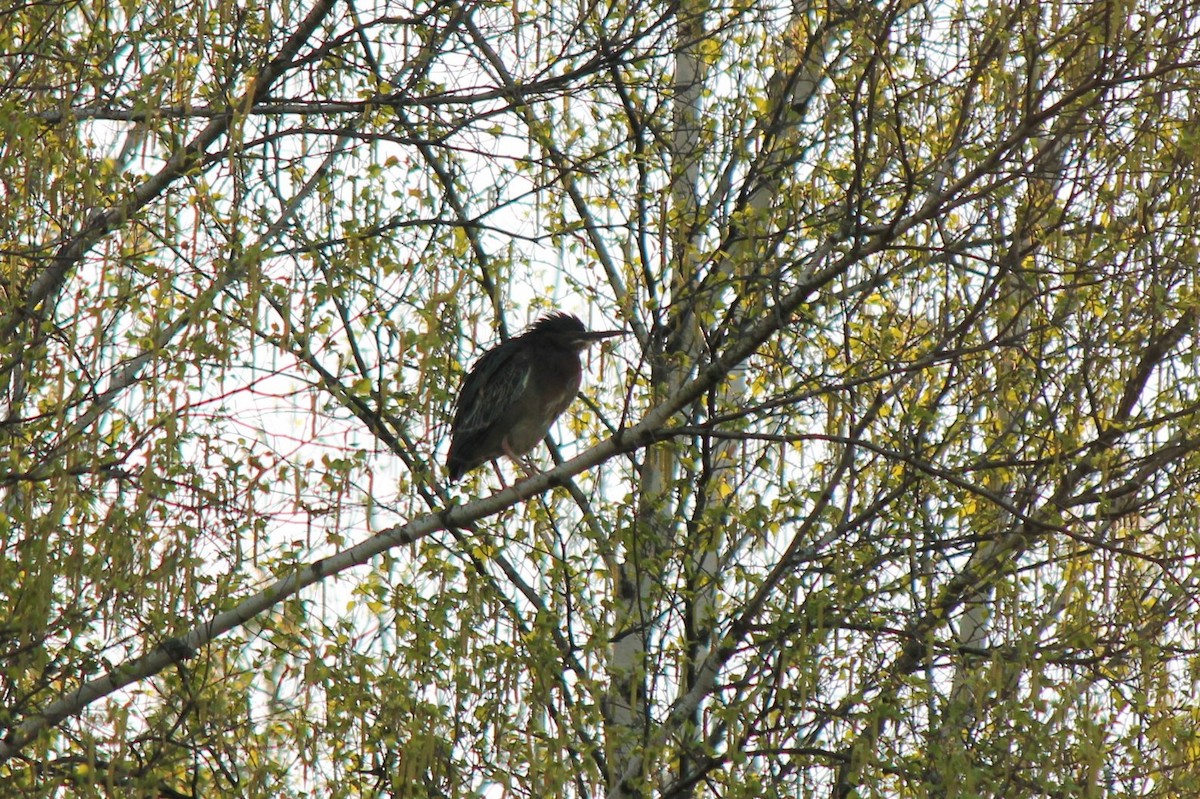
516,390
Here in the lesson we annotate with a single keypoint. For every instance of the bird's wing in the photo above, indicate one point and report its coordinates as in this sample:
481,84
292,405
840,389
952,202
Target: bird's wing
490,388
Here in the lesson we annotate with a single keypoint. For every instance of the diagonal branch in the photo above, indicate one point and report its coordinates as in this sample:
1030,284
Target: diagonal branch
161,656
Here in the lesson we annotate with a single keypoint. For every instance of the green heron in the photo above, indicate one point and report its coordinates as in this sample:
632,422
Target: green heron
516,390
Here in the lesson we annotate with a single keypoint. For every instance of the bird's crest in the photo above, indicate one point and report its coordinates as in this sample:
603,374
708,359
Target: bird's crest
558,322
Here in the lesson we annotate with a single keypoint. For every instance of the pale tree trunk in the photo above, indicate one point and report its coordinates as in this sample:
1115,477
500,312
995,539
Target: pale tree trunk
973,630
674,355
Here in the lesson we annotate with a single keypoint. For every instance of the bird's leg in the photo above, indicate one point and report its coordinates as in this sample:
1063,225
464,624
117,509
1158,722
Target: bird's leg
499,473
524,463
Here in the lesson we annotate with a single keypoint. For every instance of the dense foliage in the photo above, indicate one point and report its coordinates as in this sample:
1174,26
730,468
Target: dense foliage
891,491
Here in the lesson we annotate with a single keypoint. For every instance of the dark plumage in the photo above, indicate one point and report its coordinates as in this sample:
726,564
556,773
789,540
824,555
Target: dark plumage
516,390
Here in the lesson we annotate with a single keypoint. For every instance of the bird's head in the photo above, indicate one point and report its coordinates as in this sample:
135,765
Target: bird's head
566,330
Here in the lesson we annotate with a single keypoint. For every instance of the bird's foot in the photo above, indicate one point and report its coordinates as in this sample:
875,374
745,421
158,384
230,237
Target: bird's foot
524,463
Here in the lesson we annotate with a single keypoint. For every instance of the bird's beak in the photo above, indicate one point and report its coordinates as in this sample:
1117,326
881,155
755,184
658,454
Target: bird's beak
592,336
